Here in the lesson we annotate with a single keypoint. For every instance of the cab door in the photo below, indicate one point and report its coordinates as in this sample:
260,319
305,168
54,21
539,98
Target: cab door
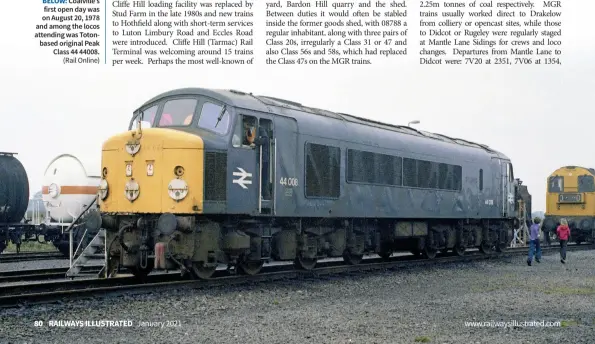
252,165
287,177
242,171
266,164
507,188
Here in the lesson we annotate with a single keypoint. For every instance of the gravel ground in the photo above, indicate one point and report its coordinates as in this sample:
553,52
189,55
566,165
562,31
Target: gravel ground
407,306
35,264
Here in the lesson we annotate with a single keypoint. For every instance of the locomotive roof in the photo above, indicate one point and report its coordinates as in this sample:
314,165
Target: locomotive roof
264,103
590,170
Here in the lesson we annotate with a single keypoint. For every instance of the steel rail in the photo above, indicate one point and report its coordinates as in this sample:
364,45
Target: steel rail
26,256
28,294
40,274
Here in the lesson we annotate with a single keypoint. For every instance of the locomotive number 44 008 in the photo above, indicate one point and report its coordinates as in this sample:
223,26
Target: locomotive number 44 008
290,182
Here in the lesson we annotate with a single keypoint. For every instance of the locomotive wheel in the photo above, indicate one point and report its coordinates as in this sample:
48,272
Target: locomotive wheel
249,267
430,253
459,250
501,244
485,248
305,263
352,259
201,271
500,247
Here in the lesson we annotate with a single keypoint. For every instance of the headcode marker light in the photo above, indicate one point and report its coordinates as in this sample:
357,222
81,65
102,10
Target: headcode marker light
132,190
132,148
177,189
103,189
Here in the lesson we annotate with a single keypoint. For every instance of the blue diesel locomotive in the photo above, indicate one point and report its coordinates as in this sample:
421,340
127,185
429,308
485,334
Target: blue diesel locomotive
205,177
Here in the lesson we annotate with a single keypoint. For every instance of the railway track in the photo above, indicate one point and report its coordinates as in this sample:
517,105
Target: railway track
26,256
27,294
40,274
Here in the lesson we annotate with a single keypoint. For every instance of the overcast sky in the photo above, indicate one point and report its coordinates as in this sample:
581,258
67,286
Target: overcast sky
540,116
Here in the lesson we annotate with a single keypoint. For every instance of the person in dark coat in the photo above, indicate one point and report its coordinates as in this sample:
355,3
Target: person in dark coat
263,141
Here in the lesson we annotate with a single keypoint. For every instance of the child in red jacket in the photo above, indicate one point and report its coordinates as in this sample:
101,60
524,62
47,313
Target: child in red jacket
563,232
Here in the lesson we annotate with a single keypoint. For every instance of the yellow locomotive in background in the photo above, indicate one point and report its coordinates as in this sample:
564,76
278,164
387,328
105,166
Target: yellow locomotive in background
571,195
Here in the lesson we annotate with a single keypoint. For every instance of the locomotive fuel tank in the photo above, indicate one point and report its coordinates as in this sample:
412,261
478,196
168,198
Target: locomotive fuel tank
69,186
14,189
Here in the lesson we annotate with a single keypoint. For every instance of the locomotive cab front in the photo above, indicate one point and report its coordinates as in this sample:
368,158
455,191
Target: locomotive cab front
165,185
570,195
153,176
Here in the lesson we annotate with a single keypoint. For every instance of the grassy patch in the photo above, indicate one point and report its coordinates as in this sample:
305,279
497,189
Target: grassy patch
422,339
568,323
497,286
570,291
31,246
485,289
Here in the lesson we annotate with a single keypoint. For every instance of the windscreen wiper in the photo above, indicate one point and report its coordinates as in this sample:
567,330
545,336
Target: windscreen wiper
221,115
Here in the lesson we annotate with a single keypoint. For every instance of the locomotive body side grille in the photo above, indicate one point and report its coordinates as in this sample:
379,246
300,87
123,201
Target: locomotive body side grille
215,176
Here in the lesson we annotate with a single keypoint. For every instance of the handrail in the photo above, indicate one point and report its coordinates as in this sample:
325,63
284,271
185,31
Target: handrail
260,181
80,215
80,243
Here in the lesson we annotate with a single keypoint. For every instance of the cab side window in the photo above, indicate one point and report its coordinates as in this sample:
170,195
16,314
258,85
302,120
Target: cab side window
510,172
245,132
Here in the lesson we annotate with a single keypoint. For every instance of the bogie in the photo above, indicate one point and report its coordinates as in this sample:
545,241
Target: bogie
202,271
247,267
247,244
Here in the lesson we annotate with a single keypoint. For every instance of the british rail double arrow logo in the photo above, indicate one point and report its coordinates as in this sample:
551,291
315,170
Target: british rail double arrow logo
244,178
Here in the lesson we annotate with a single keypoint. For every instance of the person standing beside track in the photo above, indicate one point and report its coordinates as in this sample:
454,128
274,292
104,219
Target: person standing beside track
534,246
563,232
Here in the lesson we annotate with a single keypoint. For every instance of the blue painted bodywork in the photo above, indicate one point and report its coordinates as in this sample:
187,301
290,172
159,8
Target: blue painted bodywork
295,125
